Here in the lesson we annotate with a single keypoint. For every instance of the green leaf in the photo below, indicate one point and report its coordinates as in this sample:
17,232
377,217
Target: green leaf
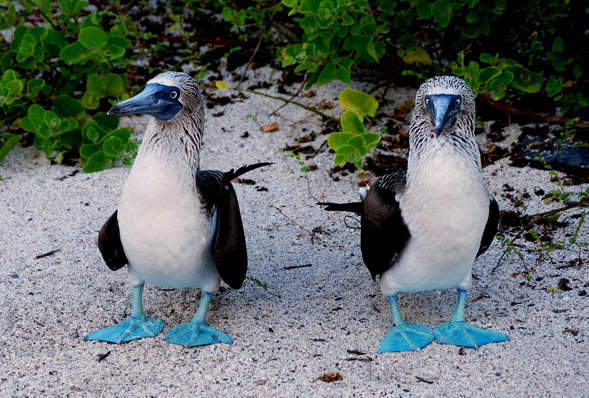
93,38
327,75
489,59
442,12
66,106
337,140
472,17
356,101
95,84
525,80
407,41
343,154
90,100
577,71
221,85
114,84
347,20
105,121
418,54
360,144
557,46
351,123
34,121
92,132
75,53
115,51
87,150
113,147
123,134
424,9
372,140
118,41
34,86
10,141
96,162
91,21
486,74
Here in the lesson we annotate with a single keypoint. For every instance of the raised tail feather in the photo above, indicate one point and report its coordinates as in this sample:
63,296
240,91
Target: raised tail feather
245,169
354,207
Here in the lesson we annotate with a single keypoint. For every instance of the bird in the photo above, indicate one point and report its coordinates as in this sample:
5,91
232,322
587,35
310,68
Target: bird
176,225
422,228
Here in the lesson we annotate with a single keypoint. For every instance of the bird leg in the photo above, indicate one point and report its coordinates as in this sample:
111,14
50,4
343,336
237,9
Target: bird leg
404,336
136,327
458,332
197,332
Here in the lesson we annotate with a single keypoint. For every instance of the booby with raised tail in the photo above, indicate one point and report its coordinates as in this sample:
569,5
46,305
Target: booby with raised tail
176,225
422,229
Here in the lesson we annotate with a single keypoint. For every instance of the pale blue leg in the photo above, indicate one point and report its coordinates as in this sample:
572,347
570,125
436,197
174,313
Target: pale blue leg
404,336
136,327
458,332
197,332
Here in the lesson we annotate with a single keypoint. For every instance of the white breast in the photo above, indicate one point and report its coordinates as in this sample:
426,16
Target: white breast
165,231
445,207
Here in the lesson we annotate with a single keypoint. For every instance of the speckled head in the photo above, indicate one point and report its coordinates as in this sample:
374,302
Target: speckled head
444,104
164,97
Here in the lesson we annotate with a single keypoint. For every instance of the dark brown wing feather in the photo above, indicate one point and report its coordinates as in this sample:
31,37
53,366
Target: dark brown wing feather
491,227
217,193
230,249
109,244
384,234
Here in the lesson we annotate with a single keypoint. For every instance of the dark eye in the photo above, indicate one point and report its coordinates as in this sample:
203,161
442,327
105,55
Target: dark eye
174,94
427,101
458,101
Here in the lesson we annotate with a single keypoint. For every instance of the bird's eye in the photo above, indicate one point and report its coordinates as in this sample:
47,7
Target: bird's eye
174,94
458,101
427,101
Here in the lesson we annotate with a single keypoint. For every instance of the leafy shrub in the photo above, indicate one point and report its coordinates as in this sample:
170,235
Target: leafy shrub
43,69
354,142
339,35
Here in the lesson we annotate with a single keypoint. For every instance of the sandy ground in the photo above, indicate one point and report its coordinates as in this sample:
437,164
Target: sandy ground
311,318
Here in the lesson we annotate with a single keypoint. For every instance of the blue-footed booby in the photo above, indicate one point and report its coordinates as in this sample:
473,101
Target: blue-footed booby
176,225
422,229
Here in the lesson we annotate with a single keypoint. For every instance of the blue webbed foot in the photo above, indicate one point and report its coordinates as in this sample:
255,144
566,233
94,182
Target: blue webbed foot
458,332
406,337
195,334
136,327
463,334
131,329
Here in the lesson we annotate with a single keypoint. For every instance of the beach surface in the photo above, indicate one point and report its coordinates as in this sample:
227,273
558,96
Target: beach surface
321,313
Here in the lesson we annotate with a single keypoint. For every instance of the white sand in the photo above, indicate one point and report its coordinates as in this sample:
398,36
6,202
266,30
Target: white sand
282,344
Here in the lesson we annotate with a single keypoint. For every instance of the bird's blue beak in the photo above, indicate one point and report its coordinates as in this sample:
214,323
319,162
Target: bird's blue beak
156,100
443,110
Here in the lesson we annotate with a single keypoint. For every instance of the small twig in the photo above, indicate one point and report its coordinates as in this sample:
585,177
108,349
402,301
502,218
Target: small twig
315,111
250,62
421,379
353,218
293,97
47,254
538,117
102,357
214,41
303,228
296,266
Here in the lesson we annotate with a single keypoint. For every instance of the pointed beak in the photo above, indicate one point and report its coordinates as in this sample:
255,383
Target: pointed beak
156,100
443,110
